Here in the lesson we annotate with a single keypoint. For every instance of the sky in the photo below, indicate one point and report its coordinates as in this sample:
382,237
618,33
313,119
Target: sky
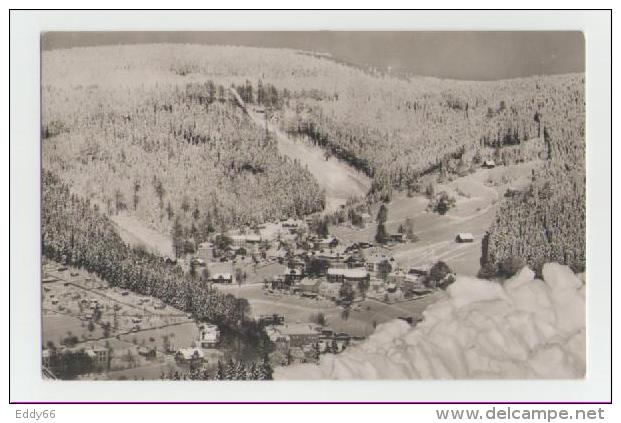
473,55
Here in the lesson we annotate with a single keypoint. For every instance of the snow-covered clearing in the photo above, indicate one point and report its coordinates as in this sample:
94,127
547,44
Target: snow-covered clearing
136,233
340,181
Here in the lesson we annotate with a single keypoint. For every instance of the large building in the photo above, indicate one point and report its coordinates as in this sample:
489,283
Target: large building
347,275
294,335
98,354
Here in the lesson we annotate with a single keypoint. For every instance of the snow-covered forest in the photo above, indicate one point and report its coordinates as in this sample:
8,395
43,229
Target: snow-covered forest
153,130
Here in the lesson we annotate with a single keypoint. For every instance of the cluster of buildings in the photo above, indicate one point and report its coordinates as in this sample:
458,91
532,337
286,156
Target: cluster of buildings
305,342
266,240
203,348
396,285
369,272
251,239
367,269
208,340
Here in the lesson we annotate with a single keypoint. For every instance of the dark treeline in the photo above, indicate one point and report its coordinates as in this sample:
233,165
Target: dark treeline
75,232
232,370
266,95
67,365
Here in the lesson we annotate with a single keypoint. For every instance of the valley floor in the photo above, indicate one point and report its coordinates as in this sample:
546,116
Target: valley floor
477,198
360,322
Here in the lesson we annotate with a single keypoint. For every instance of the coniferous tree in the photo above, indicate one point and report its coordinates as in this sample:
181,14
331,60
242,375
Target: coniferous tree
252,372
381,235
266,371
240,371
177,238
220,373
382,214
230,371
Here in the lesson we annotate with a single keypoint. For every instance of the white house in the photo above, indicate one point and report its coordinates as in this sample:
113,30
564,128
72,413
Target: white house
205,251
329,290
326,243
489,164
209,336
221,278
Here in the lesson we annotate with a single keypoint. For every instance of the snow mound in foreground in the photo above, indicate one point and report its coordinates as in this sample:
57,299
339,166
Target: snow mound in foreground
524,329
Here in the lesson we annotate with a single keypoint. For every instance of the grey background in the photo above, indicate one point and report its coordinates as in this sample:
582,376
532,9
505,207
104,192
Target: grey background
472,55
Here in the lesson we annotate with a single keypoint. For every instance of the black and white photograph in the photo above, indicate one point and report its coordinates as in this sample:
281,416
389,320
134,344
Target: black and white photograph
286,214
313,205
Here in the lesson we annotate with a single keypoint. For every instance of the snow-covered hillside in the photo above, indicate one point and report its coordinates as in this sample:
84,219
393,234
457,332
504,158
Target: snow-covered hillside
524,328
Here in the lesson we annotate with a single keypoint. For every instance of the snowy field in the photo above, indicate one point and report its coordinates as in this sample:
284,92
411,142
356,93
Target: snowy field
477,201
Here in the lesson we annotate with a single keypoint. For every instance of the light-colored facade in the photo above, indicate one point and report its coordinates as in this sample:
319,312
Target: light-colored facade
295,334
209,336
221,278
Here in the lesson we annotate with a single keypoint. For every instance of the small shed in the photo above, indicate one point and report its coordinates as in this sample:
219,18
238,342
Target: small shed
464,237
489,164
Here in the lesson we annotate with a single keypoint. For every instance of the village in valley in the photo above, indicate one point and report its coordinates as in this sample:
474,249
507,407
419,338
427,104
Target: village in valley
311,291
222,229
